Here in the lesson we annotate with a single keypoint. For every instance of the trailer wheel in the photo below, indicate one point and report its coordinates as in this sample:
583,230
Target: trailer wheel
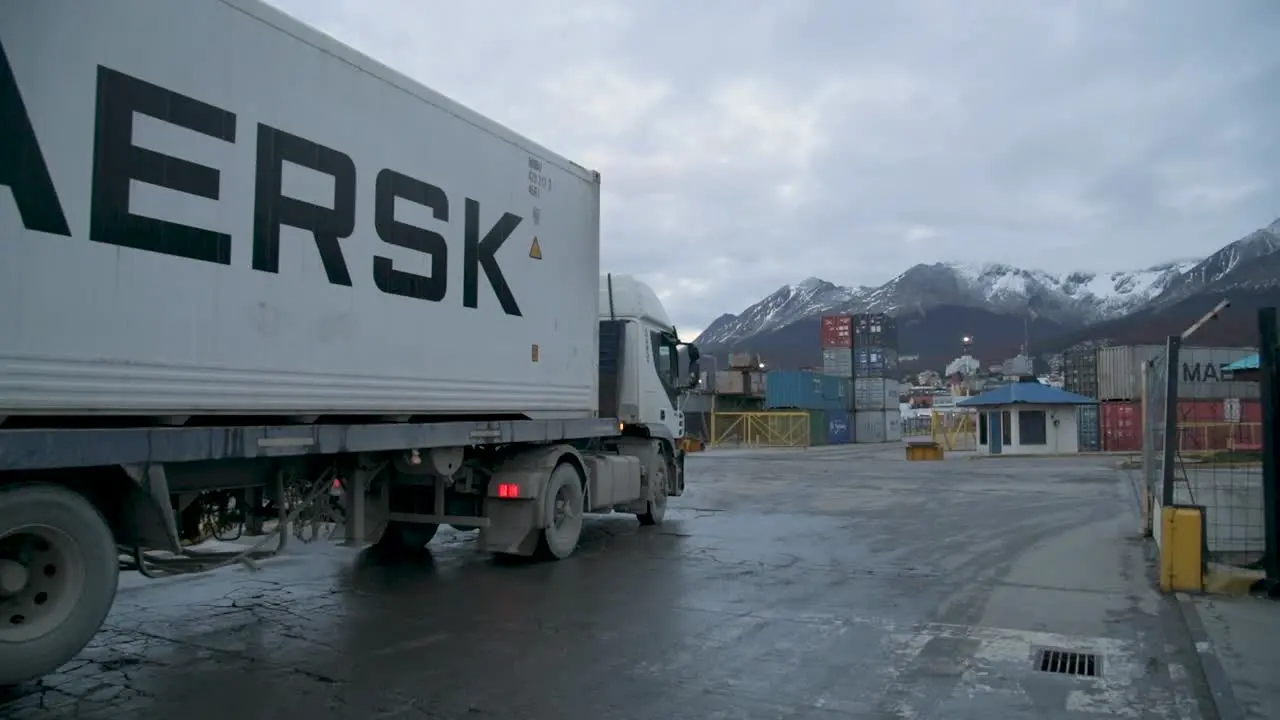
402,537
59,569
656,507
565,504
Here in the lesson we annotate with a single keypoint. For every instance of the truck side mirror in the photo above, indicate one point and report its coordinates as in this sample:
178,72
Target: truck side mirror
695,367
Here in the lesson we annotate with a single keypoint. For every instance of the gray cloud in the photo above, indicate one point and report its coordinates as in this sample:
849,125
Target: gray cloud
747,144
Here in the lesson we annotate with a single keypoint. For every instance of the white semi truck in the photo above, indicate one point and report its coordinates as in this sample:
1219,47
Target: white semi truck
234,251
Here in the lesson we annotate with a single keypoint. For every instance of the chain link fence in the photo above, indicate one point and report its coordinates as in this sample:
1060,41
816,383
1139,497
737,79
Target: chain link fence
1203,446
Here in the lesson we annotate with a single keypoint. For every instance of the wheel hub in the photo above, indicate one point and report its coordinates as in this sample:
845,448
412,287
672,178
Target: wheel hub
660,486
561,512
41,576
13,578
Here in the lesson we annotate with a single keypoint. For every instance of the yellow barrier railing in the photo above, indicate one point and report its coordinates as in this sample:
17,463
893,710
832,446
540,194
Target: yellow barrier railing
955,430
760,429
1196,438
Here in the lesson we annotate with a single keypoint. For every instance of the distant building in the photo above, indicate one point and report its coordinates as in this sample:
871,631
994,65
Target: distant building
1027,418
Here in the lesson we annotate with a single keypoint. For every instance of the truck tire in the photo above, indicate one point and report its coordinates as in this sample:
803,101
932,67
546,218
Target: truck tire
59,570
656,506
403,537
565,502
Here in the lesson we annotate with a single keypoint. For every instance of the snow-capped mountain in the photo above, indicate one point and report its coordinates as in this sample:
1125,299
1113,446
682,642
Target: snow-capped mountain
1252,262
1250,265
1073,298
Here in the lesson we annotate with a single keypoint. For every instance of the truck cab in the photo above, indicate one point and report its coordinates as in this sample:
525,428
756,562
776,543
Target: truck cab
641,378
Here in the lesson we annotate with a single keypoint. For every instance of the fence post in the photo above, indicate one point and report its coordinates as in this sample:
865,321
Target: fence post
1148,448
1269,369
1170,454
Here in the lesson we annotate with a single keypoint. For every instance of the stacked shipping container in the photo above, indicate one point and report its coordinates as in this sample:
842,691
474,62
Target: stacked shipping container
837,362
1080,376
1213,407
825,398
1203,425
864,348
877,417
805,390
1201,372
739,382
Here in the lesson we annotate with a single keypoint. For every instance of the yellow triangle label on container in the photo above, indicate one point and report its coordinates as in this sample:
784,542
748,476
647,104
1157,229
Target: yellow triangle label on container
535,250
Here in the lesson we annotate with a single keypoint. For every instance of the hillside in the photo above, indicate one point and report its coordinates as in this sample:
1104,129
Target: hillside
998,305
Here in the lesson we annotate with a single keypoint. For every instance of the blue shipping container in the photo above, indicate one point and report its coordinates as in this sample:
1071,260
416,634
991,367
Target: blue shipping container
839,429
1087,430
871,362
806,390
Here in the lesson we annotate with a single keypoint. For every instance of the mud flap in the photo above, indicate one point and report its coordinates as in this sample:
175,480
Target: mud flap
514,526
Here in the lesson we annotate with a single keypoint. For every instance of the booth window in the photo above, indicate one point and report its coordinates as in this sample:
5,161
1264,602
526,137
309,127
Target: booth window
1032,428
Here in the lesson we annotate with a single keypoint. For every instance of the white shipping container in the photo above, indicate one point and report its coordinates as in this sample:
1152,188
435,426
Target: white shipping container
892,393
837,361
873,394
869,426
892,425
447,265
729,382
757,383
1200,371
743,360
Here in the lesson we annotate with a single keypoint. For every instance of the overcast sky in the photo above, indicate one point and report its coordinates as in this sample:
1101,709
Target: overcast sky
745,145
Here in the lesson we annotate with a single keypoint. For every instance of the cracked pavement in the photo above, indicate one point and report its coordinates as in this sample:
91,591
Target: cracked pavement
818,584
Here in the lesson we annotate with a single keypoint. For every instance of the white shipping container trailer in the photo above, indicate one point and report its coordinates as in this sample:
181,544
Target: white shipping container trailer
235,253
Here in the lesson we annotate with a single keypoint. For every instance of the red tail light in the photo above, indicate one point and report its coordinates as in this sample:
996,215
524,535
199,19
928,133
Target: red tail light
508,490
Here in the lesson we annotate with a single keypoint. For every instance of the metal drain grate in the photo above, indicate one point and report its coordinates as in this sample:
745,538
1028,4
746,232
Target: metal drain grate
1066,662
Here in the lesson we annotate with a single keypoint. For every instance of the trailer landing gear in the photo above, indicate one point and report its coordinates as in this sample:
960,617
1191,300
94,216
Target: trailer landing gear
59,569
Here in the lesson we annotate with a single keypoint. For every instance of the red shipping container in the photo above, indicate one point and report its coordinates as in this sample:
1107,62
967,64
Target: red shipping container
1203,425
837,331
1121,425
1206,426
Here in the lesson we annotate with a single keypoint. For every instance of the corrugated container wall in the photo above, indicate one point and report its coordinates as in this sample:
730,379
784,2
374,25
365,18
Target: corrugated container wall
1204,425
1121,426
743,360
837,361
806,390
837,331
133,315
869,426
874,362
1088,432
1080,372
874,393
817,427
875,330
838,428
892,394
730,382
1200,372
892,425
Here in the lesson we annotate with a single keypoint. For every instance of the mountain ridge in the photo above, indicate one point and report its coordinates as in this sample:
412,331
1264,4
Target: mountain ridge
1000,299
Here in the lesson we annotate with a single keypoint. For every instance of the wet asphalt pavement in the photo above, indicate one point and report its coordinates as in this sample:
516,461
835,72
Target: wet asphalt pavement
821,584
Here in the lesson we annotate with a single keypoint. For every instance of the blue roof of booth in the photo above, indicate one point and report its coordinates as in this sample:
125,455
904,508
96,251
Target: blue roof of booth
1026,394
